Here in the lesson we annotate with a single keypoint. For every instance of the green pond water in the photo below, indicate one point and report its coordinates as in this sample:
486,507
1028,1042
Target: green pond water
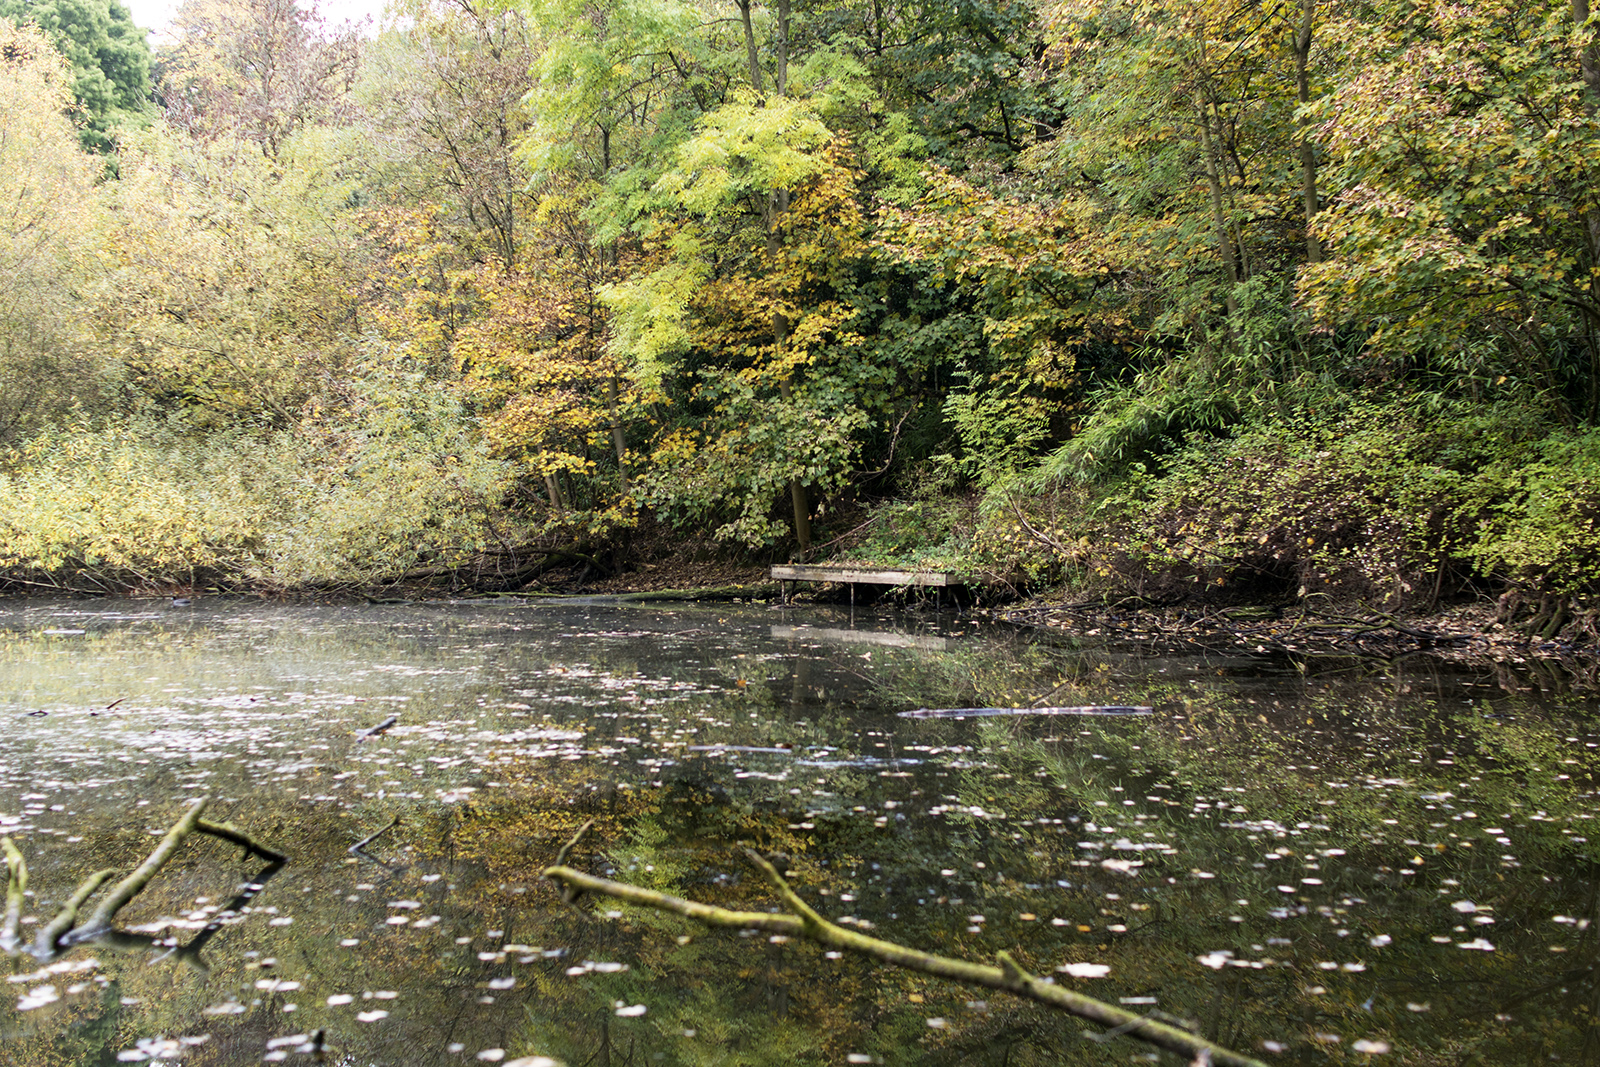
1313,862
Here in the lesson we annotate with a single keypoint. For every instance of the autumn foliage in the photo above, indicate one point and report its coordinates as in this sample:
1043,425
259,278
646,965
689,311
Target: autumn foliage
1132,269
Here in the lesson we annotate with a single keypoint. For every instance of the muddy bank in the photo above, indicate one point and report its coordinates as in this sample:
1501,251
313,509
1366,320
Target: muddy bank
1464,634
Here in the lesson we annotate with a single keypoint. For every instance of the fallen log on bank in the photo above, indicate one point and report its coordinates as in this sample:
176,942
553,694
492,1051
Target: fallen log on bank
803,922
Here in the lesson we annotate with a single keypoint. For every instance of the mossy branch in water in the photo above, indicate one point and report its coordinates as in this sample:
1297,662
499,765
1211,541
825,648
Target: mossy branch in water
16,886
45,945
61,933
1008,977
134,883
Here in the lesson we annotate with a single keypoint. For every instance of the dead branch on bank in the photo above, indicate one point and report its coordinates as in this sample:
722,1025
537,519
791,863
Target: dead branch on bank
804,922
64,931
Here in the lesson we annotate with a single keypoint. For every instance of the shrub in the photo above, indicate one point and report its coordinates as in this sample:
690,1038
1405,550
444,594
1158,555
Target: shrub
145,501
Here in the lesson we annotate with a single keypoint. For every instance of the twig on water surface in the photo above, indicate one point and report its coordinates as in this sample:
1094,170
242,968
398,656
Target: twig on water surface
374,731
359,848
804,922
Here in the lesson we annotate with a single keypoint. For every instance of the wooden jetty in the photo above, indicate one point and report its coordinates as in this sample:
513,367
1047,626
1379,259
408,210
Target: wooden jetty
854,576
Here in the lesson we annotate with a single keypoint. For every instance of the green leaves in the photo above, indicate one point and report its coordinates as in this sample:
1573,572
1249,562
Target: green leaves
109,58
745,149
1466,149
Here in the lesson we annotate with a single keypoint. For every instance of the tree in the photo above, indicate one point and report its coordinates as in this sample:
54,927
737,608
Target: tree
442,103
49,228
229,278
1464,233
109,56
257,69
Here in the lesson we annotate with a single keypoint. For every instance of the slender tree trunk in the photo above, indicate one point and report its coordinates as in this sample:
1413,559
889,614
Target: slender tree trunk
1589,66
799,499
553,487
1219,217
782,74
618,440
1588,57
777,202
1308,153
750,46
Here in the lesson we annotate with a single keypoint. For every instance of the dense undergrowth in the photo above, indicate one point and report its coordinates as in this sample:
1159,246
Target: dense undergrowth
1405,505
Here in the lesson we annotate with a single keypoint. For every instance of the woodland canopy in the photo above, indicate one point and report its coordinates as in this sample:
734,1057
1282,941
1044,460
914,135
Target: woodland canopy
1272,300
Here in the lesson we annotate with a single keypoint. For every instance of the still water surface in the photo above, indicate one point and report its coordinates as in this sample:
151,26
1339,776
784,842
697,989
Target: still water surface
1326,862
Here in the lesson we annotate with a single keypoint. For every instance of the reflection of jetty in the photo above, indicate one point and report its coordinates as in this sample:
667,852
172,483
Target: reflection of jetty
861,637
854,576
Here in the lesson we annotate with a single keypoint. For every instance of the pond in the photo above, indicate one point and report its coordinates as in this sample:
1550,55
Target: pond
1311,862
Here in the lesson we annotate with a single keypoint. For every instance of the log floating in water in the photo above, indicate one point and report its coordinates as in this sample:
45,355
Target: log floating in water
979,713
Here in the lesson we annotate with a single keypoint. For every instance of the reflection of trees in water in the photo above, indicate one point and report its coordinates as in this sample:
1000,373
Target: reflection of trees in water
988,794
1244,752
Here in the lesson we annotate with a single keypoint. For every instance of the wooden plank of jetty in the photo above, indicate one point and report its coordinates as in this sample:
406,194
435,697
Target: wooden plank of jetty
862,576
854,576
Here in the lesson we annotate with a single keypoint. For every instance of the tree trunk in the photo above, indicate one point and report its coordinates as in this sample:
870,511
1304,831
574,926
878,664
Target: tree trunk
777,203
618,440
554,489
1219,217
750,46
1308,154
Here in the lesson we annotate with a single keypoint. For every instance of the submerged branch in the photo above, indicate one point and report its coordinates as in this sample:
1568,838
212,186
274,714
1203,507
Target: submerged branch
62,933
1007,977
191,952
359,848
228,832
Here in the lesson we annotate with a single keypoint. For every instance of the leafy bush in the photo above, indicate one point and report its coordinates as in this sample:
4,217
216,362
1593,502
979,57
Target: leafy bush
1364,502
1540,515
142,501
